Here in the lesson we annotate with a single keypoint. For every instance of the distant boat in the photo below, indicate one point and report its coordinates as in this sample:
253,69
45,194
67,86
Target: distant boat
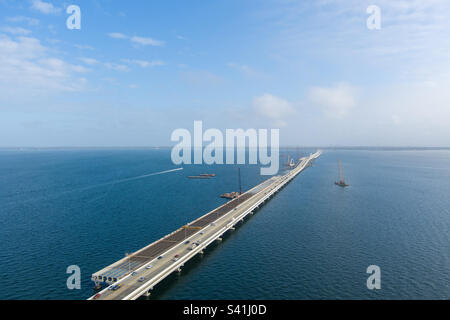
230,195
341,183
199,177
203,176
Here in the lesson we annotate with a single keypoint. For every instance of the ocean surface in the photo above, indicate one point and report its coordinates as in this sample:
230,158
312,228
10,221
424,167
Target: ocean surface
313,240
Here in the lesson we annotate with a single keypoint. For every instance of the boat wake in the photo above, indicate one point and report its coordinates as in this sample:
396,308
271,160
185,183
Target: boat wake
143,176
110,183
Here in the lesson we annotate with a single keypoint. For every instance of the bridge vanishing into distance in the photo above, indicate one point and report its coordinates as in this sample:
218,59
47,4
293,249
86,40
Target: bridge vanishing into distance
138,273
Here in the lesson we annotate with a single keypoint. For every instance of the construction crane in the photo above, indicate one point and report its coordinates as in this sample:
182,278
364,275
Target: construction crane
341,182
232,195
240,186
290,162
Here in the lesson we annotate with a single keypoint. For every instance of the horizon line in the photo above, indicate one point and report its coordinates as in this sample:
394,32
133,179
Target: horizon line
281,147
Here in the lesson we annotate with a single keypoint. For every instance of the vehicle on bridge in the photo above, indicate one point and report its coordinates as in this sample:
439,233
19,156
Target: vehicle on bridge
115,287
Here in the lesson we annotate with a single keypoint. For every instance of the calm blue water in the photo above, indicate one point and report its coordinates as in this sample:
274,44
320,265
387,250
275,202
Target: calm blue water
312,241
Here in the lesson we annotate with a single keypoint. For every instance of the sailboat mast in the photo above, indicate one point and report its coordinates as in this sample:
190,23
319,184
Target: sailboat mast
340,171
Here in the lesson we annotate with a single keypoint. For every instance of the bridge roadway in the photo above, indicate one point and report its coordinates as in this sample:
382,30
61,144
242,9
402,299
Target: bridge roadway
140,272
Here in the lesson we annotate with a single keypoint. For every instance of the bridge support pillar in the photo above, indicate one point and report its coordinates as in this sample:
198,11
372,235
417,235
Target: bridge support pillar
179,270
148,293
219,239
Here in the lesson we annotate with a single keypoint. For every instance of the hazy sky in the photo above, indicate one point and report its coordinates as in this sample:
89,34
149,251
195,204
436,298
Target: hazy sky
137,70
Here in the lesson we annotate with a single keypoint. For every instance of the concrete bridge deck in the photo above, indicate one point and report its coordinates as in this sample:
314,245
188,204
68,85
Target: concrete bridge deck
138,273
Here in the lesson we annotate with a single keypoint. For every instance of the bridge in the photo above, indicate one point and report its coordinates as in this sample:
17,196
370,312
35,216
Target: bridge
138,273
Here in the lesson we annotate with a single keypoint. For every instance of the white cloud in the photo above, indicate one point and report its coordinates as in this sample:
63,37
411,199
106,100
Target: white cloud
412,43
417,107
122,67
45,7
89,61
83,47
116,67
201,78
246,70
16,30
146,41
336,101
273,108
406,63
137,40
58,67
80,69
117,35
155,63
29,21
396,119
28,66
144,63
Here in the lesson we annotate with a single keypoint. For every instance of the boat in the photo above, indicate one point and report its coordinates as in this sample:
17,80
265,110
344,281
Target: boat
230,195
341,182
203,176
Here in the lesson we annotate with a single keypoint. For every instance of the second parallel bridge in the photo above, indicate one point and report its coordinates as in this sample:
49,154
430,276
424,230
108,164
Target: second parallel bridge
137,274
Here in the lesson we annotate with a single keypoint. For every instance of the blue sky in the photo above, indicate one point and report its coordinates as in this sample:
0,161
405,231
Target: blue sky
138,70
